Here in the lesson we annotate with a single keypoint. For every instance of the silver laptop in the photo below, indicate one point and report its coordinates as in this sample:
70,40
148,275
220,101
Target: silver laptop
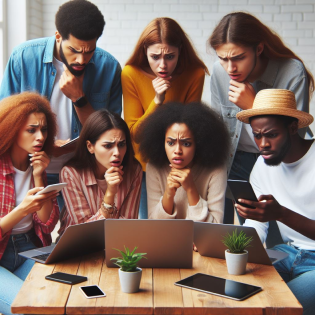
77,240
208,239
168,243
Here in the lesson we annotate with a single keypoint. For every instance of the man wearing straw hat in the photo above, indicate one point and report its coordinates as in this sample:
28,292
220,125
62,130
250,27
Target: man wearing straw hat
285,191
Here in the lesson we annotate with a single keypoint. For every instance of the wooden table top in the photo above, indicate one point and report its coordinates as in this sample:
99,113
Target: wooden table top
157,295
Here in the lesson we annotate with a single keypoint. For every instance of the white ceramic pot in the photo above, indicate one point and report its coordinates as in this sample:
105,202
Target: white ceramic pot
130,281
236,263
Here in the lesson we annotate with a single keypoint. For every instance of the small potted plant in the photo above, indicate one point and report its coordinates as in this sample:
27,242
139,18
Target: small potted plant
236,256
129,273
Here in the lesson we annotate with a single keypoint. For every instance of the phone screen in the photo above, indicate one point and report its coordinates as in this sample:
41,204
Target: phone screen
53,187
92,291
219,286
242,189
65,278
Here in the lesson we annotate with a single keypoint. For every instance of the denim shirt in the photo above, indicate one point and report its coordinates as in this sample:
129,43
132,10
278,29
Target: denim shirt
287,74
30,68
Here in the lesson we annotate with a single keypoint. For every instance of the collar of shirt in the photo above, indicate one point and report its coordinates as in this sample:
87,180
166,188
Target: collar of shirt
270,74
7,165
88,177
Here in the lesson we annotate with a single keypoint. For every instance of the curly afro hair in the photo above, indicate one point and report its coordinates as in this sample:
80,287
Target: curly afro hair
211,136
80,18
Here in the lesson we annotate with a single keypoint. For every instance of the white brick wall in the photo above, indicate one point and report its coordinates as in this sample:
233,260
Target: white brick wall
294,20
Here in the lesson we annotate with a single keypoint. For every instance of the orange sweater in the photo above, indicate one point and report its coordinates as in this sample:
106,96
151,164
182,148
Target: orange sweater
138,94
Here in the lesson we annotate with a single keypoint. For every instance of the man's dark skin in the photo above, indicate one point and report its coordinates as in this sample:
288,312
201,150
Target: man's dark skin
273,138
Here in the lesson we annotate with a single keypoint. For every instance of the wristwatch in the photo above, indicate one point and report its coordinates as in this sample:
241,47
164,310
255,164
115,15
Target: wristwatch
110,209
81,101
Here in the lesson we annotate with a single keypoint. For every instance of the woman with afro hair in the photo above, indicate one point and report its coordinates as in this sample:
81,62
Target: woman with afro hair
186,147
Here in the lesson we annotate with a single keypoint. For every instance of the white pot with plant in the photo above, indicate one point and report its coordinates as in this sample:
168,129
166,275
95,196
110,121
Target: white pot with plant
236,256
129,272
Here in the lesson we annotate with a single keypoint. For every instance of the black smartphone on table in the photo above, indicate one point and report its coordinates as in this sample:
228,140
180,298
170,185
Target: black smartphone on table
242,189
66,278
219,286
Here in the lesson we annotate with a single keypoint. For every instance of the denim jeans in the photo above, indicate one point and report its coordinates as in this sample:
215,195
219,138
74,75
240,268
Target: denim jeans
242,166
14,268
298,271
143,208
54,179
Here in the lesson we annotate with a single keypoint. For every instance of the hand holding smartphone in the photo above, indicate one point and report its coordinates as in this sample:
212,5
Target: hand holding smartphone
54,187
242,189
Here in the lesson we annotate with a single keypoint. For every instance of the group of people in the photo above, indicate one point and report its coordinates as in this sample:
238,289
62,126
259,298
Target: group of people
172,154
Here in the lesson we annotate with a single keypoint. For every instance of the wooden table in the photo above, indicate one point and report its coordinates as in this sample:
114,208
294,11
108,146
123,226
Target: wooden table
158,294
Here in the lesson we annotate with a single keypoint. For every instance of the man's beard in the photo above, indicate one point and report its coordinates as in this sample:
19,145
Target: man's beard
76,73
280,157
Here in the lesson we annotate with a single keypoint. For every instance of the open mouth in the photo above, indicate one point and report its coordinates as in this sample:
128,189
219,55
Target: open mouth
115,163
163,74
177,161
37,148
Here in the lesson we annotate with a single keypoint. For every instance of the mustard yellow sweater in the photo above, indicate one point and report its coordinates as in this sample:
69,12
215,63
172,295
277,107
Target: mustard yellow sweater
138,95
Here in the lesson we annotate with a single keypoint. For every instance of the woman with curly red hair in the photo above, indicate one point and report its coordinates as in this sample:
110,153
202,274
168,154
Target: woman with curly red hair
28,129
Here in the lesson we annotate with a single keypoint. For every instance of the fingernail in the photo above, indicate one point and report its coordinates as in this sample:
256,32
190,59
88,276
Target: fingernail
30,154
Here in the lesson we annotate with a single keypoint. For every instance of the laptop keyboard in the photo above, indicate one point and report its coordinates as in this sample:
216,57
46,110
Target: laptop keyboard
41,257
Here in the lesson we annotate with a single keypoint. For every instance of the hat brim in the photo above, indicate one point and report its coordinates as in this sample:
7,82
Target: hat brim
304,119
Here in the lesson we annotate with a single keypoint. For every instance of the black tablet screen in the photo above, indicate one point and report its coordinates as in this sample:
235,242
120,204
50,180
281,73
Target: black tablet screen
219,286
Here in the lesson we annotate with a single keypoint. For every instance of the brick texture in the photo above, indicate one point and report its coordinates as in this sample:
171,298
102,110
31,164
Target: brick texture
294,20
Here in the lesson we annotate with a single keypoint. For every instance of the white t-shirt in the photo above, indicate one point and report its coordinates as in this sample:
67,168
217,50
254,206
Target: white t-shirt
22,184
62,107
293,186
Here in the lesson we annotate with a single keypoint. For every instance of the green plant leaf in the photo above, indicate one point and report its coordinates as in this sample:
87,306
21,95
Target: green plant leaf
236,243
128,260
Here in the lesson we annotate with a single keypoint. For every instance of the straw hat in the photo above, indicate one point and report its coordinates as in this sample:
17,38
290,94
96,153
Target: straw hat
275,102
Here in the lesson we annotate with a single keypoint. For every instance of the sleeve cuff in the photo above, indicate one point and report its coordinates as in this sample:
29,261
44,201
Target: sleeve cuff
198,212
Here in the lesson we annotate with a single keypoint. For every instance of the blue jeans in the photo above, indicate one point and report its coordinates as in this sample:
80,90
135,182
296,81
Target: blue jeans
242,166
54,179
14,268
143,208
298,271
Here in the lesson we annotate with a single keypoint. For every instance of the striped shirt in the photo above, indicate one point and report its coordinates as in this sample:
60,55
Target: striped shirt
7,204
83,196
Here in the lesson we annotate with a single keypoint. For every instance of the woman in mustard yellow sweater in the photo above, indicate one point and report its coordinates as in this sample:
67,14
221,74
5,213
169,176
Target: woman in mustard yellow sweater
163,67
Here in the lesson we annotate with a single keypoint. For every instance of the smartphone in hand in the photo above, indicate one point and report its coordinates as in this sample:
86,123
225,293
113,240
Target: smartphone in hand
242,189
66,278
54,187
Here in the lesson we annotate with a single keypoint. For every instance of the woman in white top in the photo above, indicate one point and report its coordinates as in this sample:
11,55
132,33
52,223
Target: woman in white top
186,147
27,128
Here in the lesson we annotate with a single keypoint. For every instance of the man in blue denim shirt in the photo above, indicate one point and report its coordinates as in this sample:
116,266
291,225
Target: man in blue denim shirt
76,76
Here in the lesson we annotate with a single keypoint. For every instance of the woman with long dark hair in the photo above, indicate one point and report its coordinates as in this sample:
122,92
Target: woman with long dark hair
103,177
27,129
163,67
252,57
